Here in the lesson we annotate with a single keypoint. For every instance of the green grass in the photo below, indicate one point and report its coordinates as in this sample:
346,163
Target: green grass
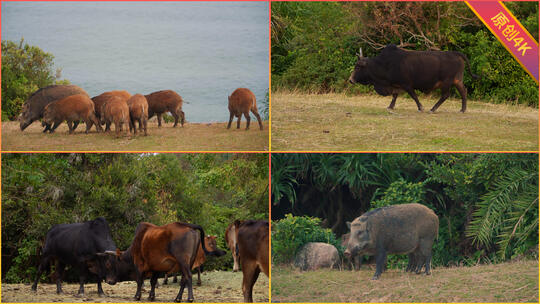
335,122
506,282
192,137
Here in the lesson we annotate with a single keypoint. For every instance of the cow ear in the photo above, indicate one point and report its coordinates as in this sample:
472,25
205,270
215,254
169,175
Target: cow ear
348,224
237,223
101,254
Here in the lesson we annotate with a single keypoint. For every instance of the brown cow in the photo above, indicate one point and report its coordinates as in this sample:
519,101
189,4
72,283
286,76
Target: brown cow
253,245
138,111
116,111
155,250
73,109
165,101
242,101
211,245
104,97
231,235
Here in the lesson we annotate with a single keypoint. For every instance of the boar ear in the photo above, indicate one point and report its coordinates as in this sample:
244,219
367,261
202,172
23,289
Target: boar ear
348,224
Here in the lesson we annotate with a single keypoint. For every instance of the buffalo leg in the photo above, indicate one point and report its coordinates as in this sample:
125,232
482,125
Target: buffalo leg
445,93
463,92
231,117
250,272
248,118
380,259
415,97
256,113
159,120
153,281
393,103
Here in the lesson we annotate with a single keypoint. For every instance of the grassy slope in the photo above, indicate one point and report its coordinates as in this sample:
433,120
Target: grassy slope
192,137
507,282
334,122
218,286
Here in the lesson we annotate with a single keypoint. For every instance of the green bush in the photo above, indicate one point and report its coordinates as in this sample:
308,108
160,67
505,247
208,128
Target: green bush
25,69
293,232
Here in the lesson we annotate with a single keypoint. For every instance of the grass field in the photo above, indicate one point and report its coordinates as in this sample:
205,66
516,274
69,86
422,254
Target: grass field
334,122
217,286
507,282
192,137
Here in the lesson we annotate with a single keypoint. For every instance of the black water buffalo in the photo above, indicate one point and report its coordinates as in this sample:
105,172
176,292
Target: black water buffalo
77,245
396,70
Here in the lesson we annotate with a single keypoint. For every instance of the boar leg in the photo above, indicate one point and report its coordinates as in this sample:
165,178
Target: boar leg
357,262
75,124
145,122
70,126
132,127
107,126
231,117
256,113
380,258
159,120
248,118
238,122
175,115
182,118
55,125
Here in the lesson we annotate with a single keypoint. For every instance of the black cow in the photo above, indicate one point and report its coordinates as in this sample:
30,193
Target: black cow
77,245
396,70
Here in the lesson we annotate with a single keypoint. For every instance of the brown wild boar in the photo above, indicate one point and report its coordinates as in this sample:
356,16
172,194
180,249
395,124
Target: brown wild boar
104,97
34,106
138,111
73,108
165,101
242,101
116,111
397,229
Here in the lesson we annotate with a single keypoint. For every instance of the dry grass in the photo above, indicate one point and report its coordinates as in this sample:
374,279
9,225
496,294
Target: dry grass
218,286
334,122
192,137
507,282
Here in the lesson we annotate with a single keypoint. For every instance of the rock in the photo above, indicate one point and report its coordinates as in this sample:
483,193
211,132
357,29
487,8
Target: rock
317,255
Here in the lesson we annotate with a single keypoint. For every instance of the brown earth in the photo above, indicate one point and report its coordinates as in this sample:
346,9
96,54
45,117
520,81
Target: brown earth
217,286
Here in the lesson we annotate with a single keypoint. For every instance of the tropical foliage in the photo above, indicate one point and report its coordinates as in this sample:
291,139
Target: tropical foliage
487,204
40,190
314,44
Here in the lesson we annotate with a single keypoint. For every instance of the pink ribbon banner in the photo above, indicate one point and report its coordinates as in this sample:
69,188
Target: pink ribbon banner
513,36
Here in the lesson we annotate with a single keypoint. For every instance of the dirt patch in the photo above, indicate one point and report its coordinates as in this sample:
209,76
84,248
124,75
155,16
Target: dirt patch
336,122
217,286
506,282
191,137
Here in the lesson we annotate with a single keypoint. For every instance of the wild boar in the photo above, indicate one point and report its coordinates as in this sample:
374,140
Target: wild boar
72,109
138,111
242,101
397,229
116,111
104,97
165,101
34,106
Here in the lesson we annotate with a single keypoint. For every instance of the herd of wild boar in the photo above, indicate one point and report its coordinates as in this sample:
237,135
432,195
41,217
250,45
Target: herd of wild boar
58,103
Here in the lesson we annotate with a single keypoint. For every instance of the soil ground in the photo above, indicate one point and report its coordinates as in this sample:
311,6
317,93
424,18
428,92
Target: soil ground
217,286
506,282
336,122
192,137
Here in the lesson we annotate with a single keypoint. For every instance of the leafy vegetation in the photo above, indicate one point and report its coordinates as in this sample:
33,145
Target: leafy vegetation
487,204
25,69
40,190
314,44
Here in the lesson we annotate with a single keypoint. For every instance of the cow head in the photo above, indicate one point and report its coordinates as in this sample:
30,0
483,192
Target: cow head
360,73
359,238
110,264
211,245
25,118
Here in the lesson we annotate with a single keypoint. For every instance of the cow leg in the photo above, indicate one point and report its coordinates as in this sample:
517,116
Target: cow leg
99,288
140,281
82,278
256,113
166,279
248,118
380,259
250,272
181,291
175,278
42,266
60,267
159,120
153,281
231,117
415,97
199,276
393,103
463,92
445,93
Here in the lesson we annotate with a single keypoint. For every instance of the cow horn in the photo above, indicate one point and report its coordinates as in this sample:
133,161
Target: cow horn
361,55
110,252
